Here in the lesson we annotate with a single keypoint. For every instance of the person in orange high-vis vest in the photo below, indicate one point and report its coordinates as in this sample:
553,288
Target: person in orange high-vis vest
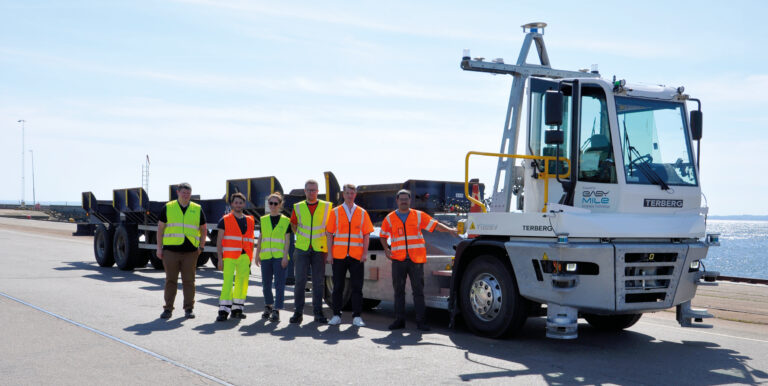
235,244
348,230
408,253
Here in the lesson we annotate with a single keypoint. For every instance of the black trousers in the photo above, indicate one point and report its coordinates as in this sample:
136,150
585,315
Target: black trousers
401,269
356,269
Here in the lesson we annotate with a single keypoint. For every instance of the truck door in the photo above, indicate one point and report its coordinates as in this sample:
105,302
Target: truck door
534,187
596,186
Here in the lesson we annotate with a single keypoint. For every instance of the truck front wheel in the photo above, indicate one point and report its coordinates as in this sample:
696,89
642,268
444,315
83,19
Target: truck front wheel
612,322
490,302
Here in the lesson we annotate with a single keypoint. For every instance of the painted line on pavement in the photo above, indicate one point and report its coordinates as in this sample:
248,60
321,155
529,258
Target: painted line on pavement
38,236
694,329
116,339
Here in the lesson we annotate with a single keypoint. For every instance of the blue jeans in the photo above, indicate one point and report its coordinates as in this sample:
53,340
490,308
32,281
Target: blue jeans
271,268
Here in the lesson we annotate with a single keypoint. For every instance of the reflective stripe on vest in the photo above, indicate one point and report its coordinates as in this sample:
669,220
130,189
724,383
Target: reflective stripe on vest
404,243
273,240
235,241
182,225
348,243
310,227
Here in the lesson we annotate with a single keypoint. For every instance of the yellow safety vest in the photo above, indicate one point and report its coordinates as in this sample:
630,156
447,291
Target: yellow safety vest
310,228
273,240
181,225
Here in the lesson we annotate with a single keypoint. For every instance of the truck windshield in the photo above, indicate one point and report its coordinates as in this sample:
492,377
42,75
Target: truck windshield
654,142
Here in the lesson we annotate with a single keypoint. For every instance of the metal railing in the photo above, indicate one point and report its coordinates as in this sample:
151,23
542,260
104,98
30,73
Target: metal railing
542,175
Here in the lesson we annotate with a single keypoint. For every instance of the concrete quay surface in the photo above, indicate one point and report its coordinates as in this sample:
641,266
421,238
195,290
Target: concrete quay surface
65,320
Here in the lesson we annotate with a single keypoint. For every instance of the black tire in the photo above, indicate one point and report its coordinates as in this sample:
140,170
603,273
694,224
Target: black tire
612,322
491,304
126,247
346,296
369,304
215,261
202,259
142,258
153,259
102,246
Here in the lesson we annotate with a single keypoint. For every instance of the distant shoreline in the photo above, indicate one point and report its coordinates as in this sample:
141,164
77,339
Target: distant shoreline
743,217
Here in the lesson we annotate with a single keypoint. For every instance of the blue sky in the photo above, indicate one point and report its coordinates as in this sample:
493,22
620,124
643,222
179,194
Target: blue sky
214,90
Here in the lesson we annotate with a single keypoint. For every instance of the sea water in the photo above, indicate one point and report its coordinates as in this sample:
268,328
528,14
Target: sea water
743,249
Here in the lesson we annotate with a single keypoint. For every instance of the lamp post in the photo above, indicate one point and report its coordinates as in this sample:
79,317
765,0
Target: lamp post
34,198
22,121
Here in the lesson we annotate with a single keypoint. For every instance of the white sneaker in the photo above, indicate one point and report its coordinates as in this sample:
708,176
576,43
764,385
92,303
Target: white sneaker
335,320
358,321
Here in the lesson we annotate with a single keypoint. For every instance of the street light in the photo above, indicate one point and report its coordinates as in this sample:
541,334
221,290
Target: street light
34,199
22,121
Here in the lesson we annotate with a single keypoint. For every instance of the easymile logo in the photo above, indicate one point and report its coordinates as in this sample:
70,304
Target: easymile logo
594,198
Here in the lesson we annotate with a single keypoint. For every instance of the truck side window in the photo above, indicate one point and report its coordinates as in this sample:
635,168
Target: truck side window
538,127
596,161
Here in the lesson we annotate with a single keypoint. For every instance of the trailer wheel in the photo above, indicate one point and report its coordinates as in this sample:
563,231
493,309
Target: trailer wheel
612,322
346,296
490,302
214,257
369,304
202,258
156,262
102,246
126,248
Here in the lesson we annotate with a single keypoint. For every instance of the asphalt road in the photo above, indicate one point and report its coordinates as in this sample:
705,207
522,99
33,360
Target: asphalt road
67,321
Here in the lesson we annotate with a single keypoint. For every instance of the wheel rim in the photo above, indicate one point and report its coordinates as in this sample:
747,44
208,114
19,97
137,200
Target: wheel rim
485,297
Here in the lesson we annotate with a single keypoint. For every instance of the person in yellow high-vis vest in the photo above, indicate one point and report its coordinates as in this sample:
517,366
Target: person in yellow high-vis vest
308,221
272,250
234,245
181,233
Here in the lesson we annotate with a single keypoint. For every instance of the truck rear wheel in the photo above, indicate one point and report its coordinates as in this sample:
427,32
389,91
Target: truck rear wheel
202,258
490,302
126,248
156,262
369,304
346,296
612,322
102,246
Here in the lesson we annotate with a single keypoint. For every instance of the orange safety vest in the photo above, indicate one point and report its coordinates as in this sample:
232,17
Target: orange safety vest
348,235
407,238
234,242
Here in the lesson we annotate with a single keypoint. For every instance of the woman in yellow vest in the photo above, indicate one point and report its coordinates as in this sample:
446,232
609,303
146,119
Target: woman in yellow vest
234,245
272,249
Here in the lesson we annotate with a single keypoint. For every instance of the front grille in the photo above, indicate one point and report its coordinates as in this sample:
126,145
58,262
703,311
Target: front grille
647,275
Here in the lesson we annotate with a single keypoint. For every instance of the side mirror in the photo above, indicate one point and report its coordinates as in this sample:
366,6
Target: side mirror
553,137
553,108
696,128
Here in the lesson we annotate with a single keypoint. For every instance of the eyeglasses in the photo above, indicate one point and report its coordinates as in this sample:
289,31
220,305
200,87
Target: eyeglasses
274,203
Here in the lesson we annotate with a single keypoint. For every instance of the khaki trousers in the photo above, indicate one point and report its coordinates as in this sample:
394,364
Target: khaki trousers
186,263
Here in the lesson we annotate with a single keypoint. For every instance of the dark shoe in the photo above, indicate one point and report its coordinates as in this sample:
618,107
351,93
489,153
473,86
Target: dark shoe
189,314
166,314
320,318
423,326
238,314
222,316
398,324
290,281
267,312
275,317
296,318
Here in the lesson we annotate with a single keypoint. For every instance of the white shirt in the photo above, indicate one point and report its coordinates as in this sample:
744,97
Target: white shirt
349,210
